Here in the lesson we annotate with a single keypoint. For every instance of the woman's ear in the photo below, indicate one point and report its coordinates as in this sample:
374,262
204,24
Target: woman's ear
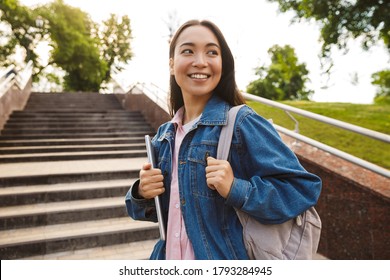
171,66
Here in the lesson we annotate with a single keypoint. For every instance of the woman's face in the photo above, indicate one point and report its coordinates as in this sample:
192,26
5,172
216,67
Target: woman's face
197,62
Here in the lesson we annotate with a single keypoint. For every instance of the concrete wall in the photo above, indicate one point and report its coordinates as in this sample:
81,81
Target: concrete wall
354,204
140,102
13,99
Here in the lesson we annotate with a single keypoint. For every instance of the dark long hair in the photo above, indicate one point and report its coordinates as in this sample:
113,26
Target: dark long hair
226,89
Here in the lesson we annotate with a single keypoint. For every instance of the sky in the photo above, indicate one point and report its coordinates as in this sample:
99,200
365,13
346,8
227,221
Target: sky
250,27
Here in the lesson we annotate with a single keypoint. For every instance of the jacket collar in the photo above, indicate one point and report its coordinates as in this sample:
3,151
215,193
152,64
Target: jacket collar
215,112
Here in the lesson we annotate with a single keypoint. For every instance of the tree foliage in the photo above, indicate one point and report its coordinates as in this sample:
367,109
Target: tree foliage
382,80
283,79
74,50
114,36
82,48
341,20
18,29
344,19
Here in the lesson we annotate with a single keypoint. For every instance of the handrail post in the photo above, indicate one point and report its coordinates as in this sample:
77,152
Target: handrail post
296,127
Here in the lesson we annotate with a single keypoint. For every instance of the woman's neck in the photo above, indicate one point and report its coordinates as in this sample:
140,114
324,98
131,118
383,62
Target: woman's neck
193,108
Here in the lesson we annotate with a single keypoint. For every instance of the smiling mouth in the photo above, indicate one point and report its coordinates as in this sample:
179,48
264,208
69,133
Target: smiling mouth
199,76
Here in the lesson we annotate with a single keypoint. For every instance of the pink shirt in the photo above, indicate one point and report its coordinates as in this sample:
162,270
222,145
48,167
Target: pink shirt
178,246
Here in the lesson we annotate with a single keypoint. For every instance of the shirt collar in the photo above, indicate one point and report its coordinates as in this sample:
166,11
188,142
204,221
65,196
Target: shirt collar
178,117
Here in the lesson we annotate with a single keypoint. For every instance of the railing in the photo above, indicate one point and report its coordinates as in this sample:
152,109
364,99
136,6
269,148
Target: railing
346,126
159,96
24,76
343,125
7,79
10,77
154,92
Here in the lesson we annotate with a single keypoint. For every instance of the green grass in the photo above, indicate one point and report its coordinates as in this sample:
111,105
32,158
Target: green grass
374,117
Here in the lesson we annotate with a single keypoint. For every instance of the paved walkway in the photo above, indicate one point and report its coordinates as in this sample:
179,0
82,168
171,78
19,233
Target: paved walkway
131,251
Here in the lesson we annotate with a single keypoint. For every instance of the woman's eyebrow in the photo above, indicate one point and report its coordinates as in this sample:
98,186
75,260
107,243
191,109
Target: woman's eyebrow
193,44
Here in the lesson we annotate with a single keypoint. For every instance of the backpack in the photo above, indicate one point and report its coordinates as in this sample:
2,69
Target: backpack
295,239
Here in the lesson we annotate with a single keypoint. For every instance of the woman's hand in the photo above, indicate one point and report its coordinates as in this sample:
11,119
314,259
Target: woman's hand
219,176
151,182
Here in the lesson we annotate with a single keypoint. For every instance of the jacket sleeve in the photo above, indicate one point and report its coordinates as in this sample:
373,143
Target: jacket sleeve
140,209
270,183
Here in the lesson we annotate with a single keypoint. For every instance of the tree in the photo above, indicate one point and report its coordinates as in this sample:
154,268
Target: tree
382,80
74,50
284,79
19,28
341,20
344,19
114,36
172,23
82,48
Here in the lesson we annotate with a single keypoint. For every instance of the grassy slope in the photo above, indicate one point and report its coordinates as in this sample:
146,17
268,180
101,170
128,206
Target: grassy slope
374,117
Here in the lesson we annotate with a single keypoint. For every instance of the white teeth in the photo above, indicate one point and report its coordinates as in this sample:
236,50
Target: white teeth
199,76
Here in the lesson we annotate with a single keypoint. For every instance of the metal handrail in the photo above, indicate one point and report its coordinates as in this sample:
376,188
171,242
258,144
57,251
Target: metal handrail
347,126
4,73
20,79
154,92
24,76
363,163
156,96
344,125
6,80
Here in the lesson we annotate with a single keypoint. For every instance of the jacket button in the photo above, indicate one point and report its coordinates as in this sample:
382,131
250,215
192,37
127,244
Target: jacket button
183,202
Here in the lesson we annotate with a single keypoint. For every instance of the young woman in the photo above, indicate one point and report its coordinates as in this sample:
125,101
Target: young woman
199,193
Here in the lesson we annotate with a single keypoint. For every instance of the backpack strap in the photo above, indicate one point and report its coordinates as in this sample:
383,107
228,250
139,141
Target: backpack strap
226,135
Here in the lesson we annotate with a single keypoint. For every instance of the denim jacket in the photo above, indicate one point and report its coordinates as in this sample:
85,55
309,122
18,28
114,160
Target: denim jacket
269,182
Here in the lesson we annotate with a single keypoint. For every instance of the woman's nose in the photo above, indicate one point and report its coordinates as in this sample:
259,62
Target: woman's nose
200,61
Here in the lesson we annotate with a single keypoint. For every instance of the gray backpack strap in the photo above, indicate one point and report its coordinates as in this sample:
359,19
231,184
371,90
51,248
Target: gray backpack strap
226,135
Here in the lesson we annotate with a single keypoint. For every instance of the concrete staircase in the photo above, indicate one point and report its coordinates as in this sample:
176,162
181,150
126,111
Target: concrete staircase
66,163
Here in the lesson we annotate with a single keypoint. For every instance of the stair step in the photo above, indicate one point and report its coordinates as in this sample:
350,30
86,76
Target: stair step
42,130
70,148
47,125
34,118
21,216
75,113
61,156
118,134
71,120
70,141
37,173
22,195
140,250
20,243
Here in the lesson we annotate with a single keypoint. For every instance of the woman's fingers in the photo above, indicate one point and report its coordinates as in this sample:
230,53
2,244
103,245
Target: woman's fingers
219,176
151,182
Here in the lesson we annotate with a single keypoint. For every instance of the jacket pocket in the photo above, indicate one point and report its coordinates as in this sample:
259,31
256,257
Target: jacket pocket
197,161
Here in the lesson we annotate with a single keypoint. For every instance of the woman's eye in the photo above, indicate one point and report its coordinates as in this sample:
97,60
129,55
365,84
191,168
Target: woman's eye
187,51
213,52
